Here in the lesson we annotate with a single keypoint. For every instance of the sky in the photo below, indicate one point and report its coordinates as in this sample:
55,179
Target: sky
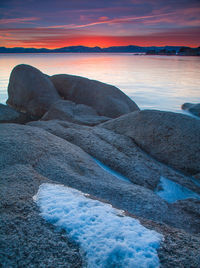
104,23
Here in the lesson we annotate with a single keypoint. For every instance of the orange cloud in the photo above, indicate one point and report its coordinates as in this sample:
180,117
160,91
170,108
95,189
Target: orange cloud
57,38
103,18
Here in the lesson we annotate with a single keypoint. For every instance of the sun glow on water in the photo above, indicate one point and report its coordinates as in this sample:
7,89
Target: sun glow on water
153,82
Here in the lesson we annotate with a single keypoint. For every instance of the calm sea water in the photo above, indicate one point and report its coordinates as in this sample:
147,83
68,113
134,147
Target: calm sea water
155,82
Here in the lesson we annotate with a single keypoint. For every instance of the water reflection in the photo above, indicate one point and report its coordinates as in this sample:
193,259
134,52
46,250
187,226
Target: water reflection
157,82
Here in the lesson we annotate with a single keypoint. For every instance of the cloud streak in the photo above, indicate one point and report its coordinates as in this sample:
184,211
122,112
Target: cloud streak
112,21
18,20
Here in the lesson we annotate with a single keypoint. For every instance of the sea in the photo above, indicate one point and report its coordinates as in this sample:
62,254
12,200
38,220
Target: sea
153,82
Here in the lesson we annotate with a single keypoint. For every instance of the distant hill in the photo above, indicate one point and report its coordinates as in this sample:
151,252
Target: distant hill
83,49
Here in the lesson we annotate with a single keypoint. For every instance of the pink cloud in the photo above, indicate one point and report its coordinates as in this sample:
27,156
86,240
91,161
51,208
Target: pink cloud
105,20
18,20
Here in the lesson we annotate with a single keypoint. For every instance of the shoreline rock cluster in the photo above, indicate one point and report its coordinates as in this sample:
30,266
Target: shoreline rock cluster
50,131
192,108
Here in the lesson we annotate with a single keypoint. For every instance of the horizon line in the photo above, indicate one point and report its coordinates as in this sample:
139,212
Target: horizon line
97,46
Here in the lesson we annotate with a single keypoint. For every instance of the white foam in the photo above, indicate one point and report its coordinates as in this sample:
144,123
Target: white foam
172,191
108,238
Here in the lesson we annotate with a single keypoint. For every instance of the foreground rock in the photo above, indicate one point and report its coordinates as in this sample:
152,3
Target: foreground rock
107,100
9,115
30,156
190,205
30,90
26,239
66,163
192,108
169,137
179,249
63,162
29,241
76,113
119,152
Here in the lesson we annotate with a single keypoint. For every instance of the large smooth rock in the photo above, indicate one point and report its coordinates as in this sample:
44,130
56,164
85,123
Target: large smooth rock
30,90
118,152
107,100
192,108
75,113
9,115
26,240
171,138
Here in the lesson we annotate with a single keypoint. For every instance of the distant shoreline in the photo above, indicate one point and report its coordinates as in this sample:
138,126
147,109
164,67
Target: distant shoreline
131,53
153,50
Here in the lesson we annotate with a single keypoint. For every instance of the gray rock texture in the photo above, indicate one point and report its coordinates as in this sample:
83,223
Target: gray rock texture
179,249
107,100
30,90
30,156
63,162
26,240
9,115
171,138
76,113
190,205
192,108
197,177
118,152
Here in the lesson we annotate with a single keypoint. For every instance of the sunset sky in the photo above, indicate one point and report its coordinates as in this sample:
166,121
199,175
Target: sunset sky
60,23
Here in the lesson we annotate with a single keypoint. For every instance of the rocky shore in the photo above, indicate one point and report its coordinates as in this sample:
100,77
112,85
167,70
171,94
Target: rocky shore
52,130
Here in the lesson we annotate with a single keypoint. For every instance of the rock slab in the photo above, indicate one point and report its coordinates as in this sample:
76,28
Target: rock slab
9,115
192,108
171,138
75,113
107,100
